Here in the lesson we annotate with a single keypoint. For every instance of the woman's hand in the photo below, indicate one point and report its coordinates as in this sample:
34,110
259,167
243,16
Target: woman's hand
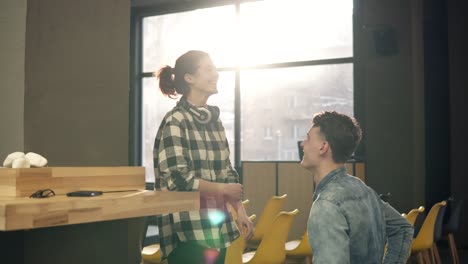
233,191
245,224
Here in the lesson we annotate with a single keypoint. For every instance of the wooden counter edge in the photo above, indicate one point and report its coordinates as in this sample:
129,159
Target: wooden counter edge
60,210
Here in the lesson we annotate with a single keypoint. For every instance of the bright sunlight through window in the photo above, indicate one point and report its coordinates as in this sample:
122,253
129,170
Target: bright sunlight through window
291,58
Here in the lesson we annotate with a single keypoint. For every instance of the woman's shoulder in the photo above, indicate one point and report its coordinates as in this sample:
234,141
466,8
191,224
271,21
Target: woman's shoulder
176,114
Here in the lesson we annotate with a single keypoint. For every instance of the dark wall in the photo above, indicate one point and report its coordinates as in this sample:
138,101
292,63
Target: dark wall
445,96
458,86
413,101
388,98
77,81
436,95
12,35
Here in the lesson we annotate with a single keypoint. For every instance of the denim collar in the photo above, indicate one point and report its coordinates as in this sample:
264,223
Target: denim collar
330,176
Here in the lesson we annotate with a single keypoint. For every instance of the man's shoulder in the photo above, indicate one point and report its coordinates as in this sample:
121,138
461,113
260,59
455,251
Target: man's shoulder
342,189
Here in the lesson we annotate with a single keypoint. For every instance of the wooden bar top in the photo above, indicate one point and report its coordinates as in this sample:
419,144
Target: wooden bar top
17,213
25,181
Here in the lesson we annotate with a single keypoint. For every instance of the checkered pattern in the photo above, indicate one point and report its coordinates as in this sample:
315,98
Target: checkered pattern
184,152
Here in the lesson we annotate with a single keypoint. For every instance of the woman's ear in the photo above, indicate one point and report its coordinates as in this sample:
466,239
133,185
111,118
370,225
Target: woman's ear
188,78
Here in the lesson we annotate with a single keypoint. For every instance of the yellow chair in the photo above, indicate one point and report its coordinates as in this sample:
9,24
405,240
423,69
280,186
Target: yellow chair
413,214
271,249
299,249
422,244
236,249
151,254
271,210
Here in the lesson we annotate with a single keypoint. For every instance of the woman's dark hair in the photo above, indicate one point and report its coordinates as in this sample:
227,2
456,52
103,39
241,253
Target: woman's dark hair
171,80
342,132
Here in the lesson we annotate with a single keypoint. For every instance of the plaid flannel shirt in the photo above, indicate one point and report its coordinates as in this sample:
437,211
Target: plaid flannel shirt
184,152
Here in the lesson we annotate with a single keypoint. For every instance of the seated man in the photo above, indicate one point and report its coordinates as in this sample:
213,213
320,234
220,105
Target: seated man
348,222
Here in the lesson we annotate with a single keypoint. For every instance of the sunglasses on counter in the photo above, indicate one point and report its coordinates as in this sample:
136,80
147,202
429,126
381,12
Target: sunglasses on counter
44,193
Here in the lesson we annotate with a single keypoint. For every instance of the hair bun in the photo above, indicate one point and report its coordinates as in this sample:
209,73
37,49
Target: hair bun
166,81
170,70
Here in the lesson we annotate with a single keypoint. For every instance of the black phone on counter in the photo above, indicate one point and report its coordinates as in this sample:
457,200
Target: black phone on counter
84,193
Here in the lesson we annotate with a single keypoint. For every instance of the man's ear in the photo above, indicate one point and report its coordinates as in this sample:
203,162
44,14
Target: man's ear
325,147
188,78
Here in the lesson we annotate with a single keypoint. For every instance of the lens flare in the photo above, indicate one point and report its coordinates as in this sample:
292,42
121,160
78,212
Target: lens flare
211,255
216,217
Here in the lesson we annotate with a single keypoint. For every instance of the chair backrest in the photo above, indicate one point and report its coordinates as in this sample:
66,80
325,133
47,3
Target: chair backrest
236,249
425,237
413,214
438,224
271,250
416,218
455,215
271,210
418,223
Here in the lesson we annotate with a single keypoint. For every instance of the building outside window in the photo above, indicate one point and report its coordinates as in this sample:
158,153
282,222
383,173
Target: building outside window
267,133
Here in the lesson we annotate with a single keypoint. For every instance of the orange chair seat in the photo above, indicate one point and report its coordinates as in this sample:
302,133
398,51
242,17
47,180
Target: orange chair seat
151,254
246,257
299,248
292,245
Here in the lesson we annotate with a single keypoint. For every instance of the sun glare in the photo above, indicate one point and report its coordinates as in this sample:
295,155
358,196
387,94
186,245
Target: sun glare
265,32
275,30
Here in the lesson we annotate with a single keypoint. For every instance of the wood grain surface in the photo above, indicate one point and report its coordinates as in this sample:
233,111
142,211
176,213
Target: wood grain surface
17,213
24,182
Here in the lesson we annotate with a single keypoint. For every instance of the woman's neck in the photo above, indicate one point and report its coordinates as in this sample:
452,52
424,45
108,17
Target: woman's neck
197,99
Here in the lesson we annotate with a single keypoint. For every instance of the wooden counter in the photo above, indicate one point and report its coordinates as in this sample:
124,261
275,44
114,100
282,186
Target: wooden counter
103,229
23,182
77,230
27,213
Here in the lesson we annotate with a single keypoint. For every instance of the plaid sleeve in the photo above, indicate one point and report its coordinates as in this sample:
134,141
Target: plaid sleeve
174,163
232,175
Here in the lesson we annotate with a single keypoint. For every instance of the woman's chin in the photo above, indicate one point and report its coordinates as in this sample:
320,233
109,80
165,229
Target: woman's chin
213,91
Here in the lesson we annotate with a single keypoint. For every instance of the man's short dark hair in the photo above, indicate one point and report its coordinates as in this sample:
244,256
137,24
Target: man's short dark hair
342,132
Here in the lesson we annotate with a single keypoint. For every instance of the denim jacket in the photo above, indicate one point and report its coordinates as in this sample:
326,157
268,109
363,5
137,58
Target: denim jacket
349,223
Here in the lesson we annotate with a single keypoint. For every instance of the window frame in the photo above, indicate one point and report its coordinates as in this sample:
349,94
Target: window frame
139,12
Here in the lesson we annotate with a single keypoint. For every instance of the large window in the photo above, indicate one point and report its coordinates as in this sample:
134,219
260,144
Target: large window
296,93
280,61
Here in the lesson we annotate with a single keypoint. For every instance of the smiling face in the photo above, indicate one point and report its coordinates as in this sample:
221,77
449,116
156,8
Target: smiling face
205,80
313,147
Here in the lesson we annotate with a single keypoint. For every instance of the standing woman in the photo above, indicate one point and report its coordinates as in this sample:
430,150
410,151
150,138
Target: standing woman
191,153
